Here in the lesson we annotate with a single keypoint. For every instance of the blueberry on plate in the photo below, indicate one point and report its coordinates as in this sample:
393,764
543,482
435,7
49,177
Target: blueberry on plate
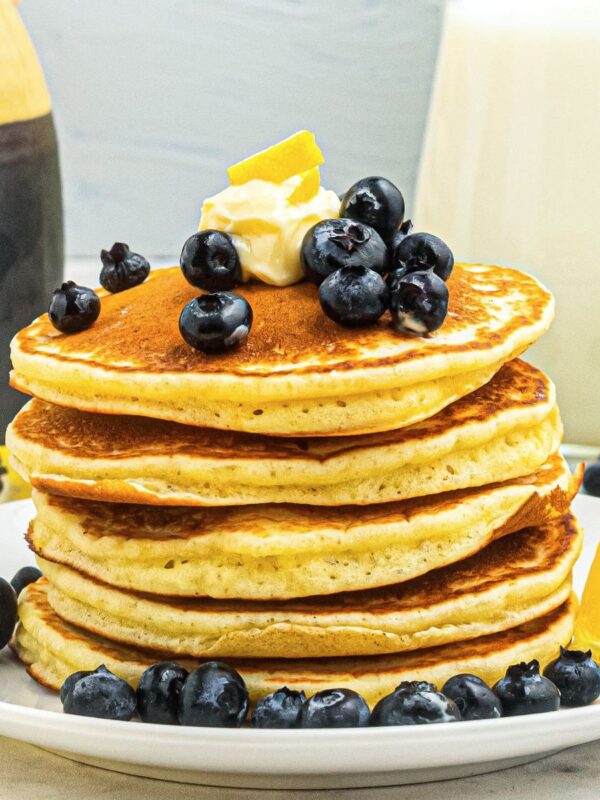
214,695
576,675
8,612
376,202
416,686
214,323
474,698
210,261
158,693
404,706
354,296
280,709
422,251
24,577
122,269
335,708
524,691
418,301
100,694
335,243
591,479
73,308
70,682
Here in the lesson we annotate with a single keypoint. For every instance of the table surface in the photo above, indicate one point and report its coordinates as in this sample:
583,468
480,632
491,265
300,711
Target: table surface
27,772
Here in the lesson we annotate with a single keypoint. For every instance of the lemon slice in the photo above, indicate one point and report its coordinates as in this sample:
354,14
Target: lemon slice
296,154
310,182
13,485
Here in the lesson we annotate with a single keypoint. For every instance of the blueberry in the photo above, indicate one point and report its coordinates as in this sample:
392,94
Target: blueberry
214,695
474,698
376,202
24,577
210,261
8,612
591,479
214,323
416,686
401,234
418,301
524,691
158,693
335,708
70,682
405,706
73,308
354,296
122,269
335,243
576,675
421,251
280,709
100,694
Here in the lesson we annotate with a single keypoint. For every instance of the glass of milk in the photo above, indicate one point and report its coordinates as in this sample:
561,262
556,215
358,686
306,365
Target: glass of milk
510,172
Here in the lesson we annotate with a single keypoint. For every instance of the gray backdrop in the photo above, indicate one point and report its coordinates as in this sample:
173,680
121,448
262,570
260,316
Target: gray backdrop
154,98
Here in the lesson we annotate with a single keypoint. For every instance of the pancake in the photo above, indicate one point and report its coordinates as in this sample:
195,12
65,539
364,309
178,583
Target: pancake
506,429
510,582
281,552
54,649
298,373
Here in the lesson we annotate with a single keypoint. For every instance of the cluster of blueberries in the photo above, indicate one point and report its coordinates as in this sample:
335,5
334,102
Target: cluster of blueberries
215,695
364,263
347,258
9,593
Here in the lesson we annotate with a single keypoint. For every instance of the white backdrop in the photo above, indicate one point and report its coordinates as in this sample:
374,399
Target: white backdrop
154,98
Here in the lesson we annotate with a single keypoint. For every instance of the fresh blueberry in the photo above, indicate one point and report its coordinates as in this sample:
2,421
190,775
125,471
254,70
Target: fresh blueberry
474,698
376,202
210,261
214,323
404,706
335,243
576,675
524,691
122,269
8,612
158,693
591,479
24,577
335,708
418,301
401,234
422,251
416,686
280,709
100,694
73,308
354,296
70,682
214,695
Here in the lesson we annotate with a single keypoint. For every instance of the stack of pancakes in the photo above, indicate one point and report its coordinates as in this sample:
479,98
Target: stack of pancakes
321,507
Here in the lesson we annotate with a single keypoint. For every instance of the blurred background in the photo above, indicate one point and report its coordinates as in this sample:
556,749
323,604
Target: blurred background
486,113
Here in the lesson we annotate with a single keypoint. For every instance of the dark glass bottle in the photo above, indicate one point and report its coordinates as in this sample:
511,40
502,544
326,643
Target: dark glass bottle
31,226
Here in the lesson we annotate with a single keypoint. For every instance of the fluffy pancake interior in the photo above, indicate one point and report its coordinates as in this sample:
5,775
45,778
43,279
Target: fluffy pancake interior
515,579
278,552
54,649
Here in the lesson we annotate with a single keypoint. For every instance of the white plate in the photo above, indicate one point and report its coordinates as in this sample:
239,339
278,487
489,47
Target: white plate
288,759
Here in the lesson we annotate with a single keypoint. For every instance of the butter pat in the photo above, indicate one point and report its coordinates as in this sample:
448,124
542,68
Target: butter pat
266,227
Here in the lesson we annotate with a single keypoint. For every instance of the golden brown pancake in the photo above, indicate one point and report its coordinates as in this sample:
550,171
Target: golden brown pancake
510,582
506,429
54,649
279,552
298,373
